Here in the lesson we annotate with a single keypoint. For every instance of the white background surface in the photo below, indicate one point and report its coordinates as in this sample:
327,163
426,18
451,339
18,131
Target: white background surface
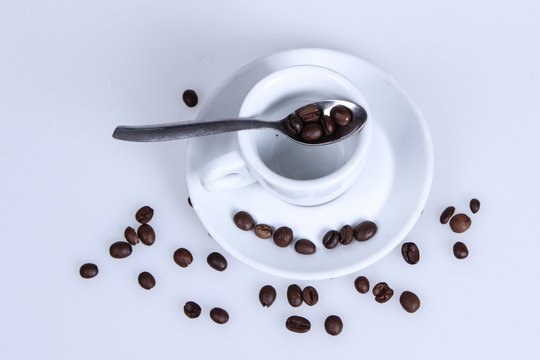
72,70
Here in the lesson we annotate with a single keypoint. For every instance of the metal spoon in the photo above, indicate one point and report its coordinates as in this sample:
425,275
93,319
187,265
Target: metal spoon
183,130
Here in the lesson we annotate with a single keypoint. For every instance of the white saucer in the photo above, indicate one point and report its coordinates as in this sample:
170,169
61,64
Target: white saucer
391,189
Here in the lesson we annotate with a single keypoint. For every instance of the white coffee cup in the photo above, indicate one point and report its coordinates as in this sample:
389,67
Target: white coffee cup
295,173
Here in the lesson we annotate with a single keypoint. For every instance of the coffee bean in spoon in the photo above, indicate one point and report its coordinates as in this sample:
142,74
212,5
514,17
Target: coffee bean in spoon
217,261
146,234
294,295
298,324
219,315
312,132
131,236
120,250
460,250
183,257
474,205
88,270
283,236
144,214
267,295
146,280
294,124
365,230
243,220
192,310
190,98
382,292
346,234
341,115
263,231
309,114
333,325
410,253
447,214
328,125
361,284
331,239
310,295
409,301
305,247
460,223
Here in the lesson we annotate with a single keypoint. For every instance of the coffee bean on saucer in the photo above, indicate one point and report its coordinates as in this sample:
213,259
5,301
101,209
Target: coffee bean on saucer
333,325
189,201
447,214
298,324
88,270
328,125
182,257
131,236
294,124
283,236
146,280
361,284
346,235
331,239
144,214
410,253
243,220
146,234
460,223
219,315
382,292
267,295
304,247
309,114
312,132
263,231
409,301
120,250
460,250
190,98
310,295
365,230
192,310
341,115
217,261
294,295
474,205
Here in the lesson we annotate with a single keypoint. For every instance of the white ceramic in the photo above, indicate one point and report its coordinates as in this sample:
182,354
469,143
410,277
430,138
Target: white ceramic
295,173
391,190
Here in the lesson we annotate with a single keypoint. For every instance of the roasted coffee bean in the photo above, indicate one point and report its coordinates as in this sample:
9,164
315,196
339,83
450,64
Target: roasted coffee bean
267,295
217,261
182,257
146,234
460,223
312,132
341,115
447,214
88,270
331,239
333,325
283,236
298,324
410,253
346,234
409,301
294,295
361,284
304,247
294,124
365,231
243,220
146,280
192,310
190,98
144,214
189,201
474,205
309,113
382,292
310,295
328,125
120,250
219,315
460,250
263,231
131,236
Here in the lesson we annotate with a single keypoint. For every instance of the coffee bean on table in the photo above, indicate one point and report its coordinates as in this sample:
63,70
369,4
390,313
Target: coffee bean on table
331,239
361,284
294,124
310,295
460,250
309,114
410,252
263,231
328,125
298,324
365,230
146,234
88,270
190,98
346,235
409,301
146,280
382,292
294,295
189,201
341,115
333,325
312,132
460,223
447,214
283,236
192,310
267,295
120,250
144,214
219,315
474,205
217,261
182,257
131,236
243,220
305,247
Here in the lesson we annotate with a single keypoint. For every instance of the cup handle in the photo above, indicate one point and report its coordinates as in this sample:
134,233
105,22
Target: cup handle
227,172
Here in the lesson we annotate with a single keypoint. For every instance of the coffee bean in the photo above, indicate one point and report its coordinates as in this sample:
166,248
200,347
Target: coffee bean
120,250
192,310
331,239
298,324
328,125
361,284
217,261
219,315
294,124
304,247
365,231
460,250
144,214
182,257
333,325
189,201
409,301
460,223
382,292
410,253
243,220
267,295
294,295
447,214
346,235
310,295
131,236
88,270
312,132
341,115
146,234
190,98
474,205
283,236
146,280
263,231
309,114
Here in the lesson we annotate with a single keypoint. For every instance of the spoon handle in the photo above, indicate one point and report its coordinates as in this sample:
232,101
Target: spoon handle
184,130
